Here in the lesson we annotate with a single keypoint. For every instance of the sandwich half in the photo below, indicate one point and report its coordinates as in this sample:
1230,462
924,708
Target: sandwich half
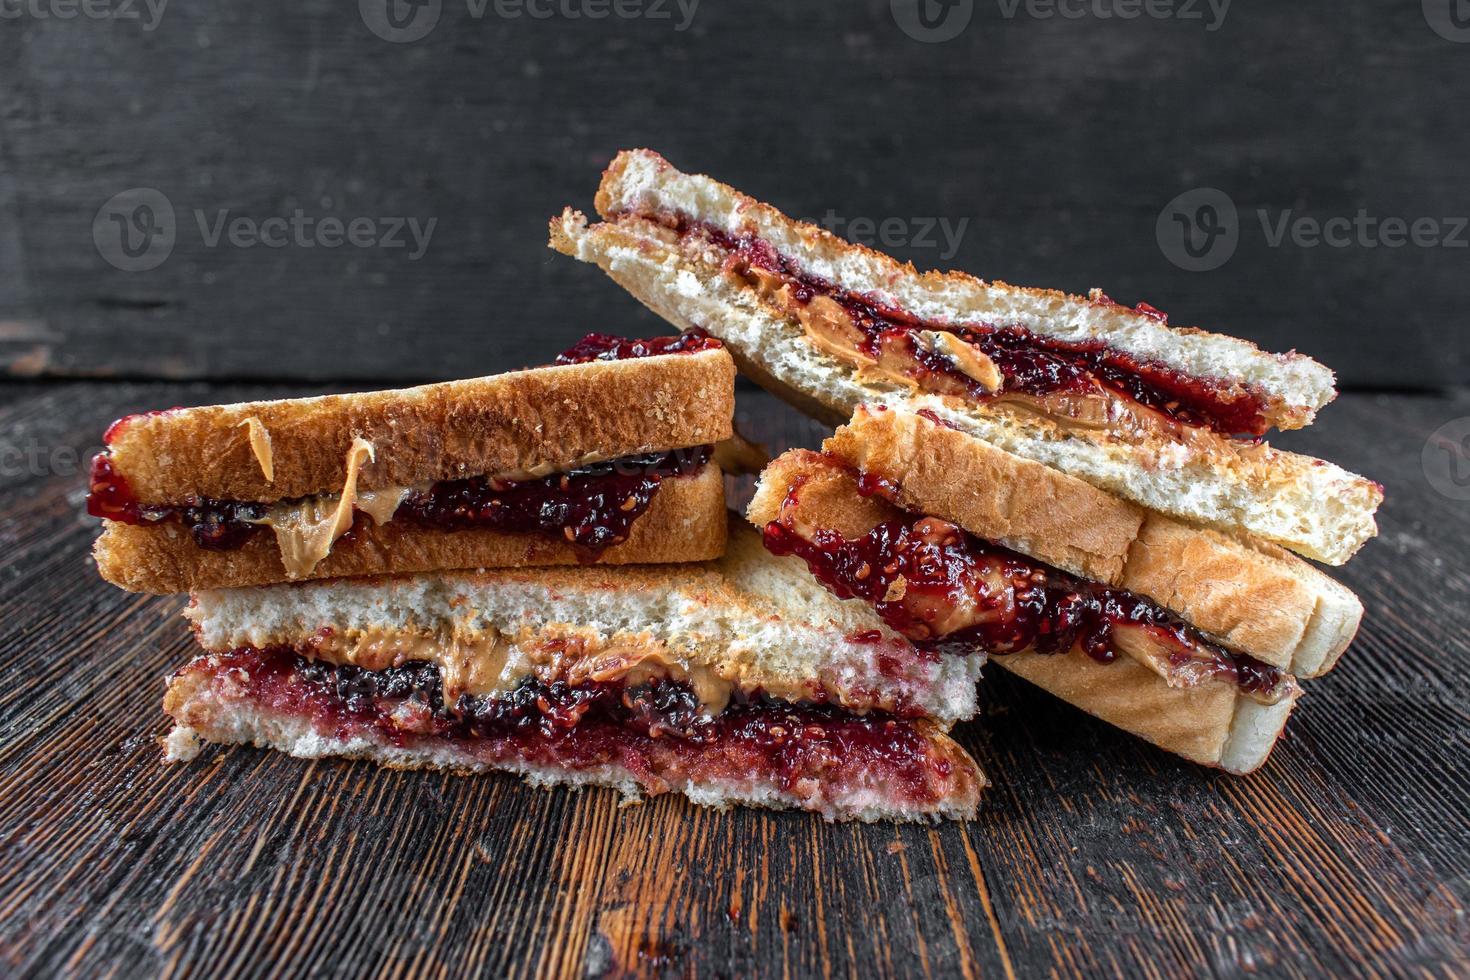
1171,419
1184,636
737,681
604,456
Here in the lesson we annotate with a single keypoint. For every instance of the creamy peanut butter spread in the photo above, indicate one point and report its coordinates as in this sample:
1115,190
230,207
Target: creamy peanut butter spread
966,358
260,445
829,328
1152,652
542,470
306,531
489,663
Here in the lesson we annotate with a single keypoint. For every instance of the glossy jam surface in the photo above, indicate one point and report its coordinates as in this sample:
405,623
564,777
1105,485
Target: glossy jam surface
646,727
217,525
607,347
592,508
1031,364
947,589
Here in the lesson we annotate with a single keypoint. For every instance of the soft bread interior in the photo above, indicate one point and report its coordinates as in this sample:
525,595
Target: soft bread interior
755,620
1307,505
640,182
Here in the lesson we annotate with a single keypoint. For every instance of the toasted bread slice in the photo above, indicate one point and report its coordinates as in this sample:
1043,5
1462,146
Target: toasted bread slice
642,184
1250,596
684,522
1304,504
749,622
538,420
1210,722
804,701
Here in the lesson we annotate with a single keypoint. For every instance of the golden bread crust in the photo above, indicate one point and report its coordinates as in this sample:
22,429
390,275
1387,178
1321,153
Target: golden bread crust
685,522
1253,597
513,422
1195,722
1191,722
1055,518
1317,509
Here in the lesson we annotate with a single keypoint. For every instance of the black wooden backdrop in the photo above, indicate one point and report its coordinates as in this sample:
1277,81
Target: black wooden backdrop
1058,140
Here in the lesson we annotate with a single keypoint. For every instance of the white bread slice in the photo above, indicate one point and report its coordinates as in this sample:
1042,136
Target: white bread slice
757,621
1249,596
1306,505
215,717
1212,722
641,183
539,420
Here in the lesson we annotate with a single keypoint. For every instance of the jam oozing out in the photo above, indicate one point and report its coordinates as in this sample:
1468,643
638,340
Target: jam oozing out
592,508
1030,364
591,724
941,587
217,525
607,347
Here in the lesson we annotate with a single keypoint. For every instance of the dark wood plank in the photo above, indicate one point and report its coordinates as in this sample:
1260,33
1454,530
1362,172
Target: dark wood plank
1348,855
1058,141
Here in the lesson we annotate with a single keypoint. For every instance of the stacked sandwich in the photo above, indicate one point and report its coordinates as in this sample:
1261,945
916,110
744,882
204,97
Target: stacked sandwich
531,573
1063,483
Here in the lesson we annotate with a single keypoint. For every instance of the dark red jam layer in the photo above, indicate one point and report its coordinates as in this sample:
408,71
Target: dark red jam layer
646,727
1031,364
1007,602
593,507
606,347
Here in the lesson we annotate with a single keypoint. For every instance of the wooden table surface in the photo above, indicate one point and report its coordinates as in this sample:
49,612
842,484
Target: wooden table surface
1349,853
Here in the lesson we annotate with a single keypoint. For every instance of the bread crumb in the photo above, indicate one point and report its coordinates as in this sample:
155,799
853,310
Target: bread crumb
181,745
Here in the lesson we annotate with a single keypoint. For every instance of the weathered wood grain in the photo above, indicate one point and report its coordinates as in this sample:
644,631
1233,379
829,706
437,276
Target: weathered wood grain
1056,141
1348,855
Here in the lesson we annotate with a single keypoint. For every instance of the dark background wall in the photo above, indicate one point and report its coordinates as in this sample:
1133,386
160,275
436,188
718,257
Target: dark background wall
1054,145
